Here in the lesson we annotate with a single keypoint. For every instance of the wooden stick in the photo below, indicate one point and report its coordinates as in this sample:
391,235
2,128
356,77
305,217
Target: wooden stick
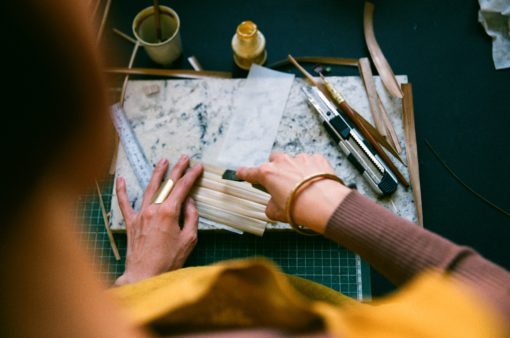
126,78
221,197
103,20
368,81
96,8
393,139
411,148
106,221
157,18
124,35
232,219
382,65
181,73
233,207
193,61
232,190
318,59
308,76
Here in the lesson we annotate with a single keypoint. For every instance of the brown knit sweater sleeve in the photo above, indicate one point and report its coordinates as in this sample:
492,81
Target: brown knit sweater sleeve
400,249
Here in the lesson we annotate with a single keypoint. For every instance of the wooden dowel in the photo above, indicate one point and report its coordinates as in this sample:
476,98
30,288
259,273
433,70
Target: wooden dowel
234,220
126,78
103,20
231,208
368,81
228,199
193,61
124,35
389,127
232,190
318,60
182,73
106,222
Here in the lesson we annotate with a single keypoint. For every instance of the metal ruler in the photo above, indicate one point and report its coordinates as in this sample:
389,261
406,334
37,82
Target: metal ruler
133,150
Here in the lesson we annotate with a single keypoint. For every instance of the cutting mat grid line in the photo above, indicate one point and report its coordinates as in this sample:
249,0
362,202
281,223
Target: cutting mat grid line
314,258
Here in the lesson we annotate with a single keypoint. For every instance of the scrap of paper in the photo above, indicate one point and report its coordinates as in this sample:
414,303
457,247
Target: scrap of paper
258,109
494,15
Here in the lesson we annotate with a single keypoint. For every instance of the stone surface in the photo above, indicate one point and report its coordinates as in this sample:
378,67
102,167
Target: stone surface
191,117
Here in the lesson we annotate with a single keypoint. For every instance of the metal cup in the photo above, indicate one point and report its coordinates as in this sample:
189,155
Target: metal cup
144,28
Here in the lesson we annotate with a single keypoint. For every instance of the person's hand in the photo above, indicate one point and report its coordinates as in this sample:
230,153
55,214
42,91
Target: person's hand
156,241
315,202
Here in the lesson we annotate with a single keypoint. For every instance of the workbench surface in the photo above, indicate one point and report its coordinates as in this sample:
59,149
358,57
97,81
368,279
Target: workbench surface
461,102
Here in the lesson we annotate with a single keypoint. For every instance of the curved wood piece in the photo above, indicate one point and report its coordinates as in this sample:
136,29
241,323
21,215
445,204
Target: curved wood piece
382,65
411,148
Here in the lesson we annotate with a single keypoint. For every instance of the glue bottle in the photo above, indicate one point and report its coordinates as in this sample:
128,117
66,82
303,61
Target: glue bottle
249,45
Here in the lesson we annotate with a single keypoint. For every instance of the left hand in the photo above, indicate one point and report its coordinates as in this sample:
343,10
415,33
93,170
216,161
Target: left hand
156,242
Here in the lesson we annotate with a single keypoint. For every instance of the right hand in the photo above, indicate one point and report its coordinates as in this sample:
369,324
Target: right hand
314,203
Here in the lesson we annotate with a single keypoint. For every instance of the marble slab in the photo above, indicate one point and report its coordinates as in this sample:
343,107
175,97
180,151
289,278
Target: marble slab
191,117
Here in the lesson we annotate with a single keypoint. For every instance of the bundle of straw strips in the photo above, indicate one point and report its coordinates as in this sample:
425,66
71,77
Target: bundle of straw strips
236,204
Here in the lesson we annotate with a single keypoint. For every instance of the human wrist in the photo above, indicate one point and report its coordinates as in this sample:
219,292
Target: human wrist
316,202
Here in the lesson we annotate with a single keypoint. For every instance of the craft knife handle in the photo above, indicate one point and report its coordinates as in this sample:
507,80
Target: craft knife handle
353,145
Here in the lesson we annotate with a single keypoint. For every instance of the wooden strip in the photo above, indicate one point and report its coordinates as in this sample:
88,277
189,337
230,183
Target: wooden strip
126,78
106,221
211,193
124,35
393,139
232,190
233,207
180,73
411,147
319,60
195,64
368,81
382,65
303,71
234,220
103,20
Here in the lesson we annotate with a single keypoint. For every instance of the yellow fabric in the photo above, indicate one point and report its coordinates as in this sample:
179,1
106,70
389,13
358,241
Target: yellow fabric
254,293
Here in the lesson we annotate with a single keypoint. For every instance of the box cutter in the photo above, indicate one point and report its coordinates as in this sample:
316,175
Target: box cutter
352,143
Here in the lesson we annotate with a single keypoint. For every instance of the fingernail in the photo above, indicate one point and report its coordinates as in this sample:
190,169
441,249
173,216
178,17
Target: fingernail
183,157
163,161
120,180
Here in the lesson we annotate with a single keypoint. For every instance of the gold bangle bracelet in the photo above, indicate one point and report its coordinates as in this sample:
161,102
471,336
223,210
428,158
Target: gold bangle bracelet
292,196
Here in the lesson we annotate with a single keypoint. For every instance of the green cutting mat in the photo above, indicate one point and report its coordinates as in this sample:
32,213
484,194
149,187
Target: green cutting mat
314,258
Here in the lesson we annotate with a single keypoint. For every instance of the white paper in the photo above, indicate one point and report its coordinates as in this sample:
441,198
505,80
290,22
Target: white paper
258,109
494,15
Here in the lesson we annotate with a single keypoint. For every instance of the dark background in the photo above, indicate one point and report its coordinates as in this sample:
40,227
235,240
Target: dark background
462,104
